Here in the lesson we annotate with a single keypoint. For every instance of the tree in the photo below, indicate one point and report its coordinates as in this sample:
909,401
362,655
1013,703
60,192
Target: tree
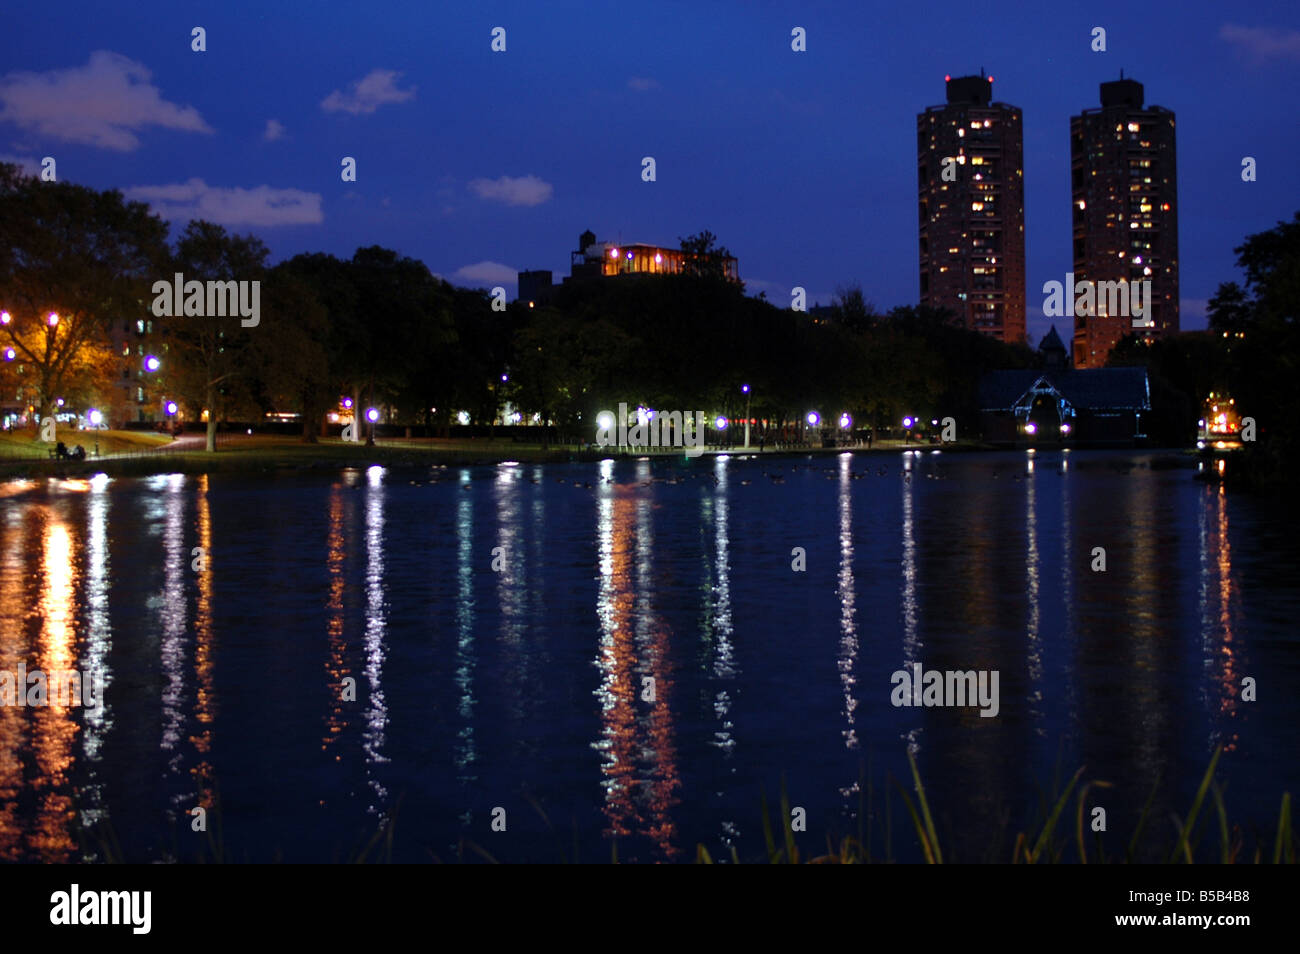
402,316
85,256
851,310
1230,309
208,356
288,356
703,256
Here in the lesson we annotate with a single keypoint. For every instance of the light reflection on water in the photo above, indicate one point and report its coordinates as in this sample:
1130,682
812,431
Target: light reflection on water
627,648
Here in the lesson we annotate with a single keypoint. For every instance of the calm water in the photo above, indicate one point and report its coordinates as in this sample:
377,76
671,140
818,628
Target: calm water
523,686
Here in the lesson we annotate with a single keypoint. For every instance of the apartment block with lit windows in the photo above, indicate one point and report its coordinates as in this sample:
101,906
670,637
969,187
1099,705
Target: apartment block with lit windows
1124,192
972,208
138,382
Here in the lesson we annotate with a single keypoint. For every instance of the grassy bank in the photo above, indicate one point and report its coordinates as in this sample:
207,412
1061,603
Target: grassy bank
133,453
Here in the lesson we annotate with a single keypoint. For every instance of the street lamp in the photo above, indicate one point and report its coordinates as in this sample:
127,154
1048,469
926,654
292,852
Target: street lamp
53,319
372,415
744,388
151,363
5,317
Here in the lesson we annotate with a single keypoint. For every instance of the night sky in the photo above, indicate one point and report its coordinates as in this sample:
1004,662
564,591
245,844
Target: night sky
482,163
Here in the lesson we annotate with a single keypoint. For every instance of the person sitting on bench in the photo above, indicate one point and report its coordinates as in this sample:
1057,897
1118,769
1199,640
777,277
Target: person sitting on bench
79,453
61,451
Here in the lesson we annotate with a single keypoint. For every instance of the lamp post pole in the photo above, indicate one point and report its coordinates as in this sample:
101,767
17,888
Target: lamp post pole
745,388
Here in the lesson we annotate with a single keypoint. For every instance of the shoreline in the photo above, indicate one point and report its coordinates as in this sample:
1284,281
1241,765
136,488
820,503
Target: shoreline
286,457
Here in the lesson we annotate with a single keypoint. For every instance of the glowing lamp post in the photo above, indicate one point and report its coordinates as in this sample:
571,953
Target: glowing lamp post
744,389
372,415
151,363
908,424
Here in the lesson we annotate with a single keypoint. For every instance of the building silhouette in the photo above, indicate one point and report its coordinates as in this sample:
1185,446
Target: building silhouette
1058,405
596,260
1124,192
970,167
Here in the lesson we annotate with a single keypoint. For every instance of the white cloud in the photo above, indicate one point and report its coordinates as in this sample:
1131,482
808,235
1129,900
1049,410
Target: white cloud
367,94
30,165
642,84
487,273
104,103
274,130
525,190
261,206
1263,42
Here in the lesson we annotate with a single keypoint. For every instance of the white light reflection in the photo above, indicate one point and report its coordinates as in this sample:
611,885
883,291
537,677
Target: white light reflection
97,722
376,629
466,754
724,669
848,655
171,606
1034,648
911,641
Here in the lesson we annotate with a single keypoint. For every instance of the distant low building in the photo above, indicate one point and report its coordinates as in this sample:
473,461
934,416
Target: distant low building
1057,404
596,260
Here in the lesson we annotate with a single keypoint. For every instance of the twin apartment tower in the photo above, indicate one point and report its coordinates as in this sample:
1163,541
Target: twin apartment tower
1124,202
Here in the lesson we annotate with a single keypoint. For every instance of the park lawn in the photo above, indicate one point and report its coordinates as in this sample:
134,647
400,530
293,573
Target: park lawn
24,443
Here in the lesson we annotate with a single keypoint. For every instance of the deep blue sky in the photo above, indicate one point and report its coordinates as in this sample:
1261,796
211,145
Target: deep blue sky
802,163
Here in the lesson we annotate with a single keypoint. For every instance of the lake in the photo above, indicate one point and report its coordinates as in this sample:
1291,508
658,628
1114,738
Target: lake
635,652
